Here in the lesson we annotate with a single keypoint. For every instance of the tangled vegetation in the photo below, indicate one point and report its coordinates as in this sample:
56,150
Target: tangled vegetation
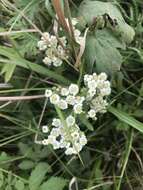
71,95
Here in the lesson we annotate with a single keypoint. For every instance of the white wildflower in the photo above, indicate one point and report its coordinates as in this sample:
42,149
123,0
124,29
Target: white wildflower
102,76
70,120
56,122
45,129
91,113
78,108
42,45
62,104
54,99
48,93
69,151
64,91
73,89
45,142
47,61
83,140
70,100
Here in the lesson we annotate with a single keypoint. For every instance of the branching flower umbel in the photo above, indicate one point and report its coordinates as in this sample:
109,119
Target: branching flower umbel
65,135
54,52
90,100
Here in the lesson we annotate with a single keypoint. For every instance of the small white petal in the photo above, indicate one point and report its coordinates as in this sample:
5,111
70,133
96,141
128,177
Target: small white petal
48,93
73,89
54,99
64,91
62,104
70,120
45,129
78,108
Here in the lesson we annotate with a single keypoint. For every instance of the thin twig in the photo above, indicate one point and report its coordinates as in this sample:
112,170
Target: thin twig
9,33
17,98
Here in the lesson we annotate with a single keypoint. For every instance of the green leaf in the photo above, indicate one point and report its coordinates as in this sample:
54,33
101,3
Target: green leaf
91,9
26,164
1,179
126,118
101,55
37,175
48,6
8,70
85,122
19,185
101,52
14,58
54,183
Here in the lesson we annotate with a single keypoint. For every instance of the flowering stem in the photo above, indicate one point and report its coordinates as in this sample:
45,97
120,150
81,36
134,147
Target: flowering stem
65,127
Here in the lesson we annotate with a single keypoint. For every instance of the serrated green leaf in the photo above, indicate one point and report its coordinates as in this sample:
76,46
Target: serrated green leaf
38,175
54,183
26,164
101,55
101,51
19,185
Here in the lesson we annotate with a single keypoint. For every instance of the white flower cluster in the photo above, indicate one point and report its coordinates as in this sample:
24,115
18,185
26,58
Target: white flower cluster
97,88
65,135
54,52
65,97
77,33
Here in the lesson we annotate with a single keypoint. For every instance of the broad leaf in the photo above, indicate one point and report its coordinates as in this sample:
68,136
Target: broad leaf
38,175
19,185
54,183
8,70
26,164
91,9
101,53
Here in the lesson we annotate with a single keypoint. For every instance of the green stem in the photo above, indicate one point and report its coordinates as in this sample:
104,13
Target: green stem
128,151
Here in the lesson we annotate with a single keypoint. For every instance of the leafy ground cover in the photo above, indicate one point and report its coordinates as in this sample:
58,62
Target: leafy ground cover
48,50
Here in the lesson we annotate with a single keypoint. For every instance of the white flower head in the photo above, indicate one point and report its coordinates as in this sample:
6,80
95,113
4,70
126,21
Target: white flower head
91,113
62,104
75,135
64,91
48,93
42,45
69,151
70,100
56,145
70,120
54,99
73,89
102,76
47,61
57,62
83,140
45,129
74,21
56,122
78,108
45,142
45,36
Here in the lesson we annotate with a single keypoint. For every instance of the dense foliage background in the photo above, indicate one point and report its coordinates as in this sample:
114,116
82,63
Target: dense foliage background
113,157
